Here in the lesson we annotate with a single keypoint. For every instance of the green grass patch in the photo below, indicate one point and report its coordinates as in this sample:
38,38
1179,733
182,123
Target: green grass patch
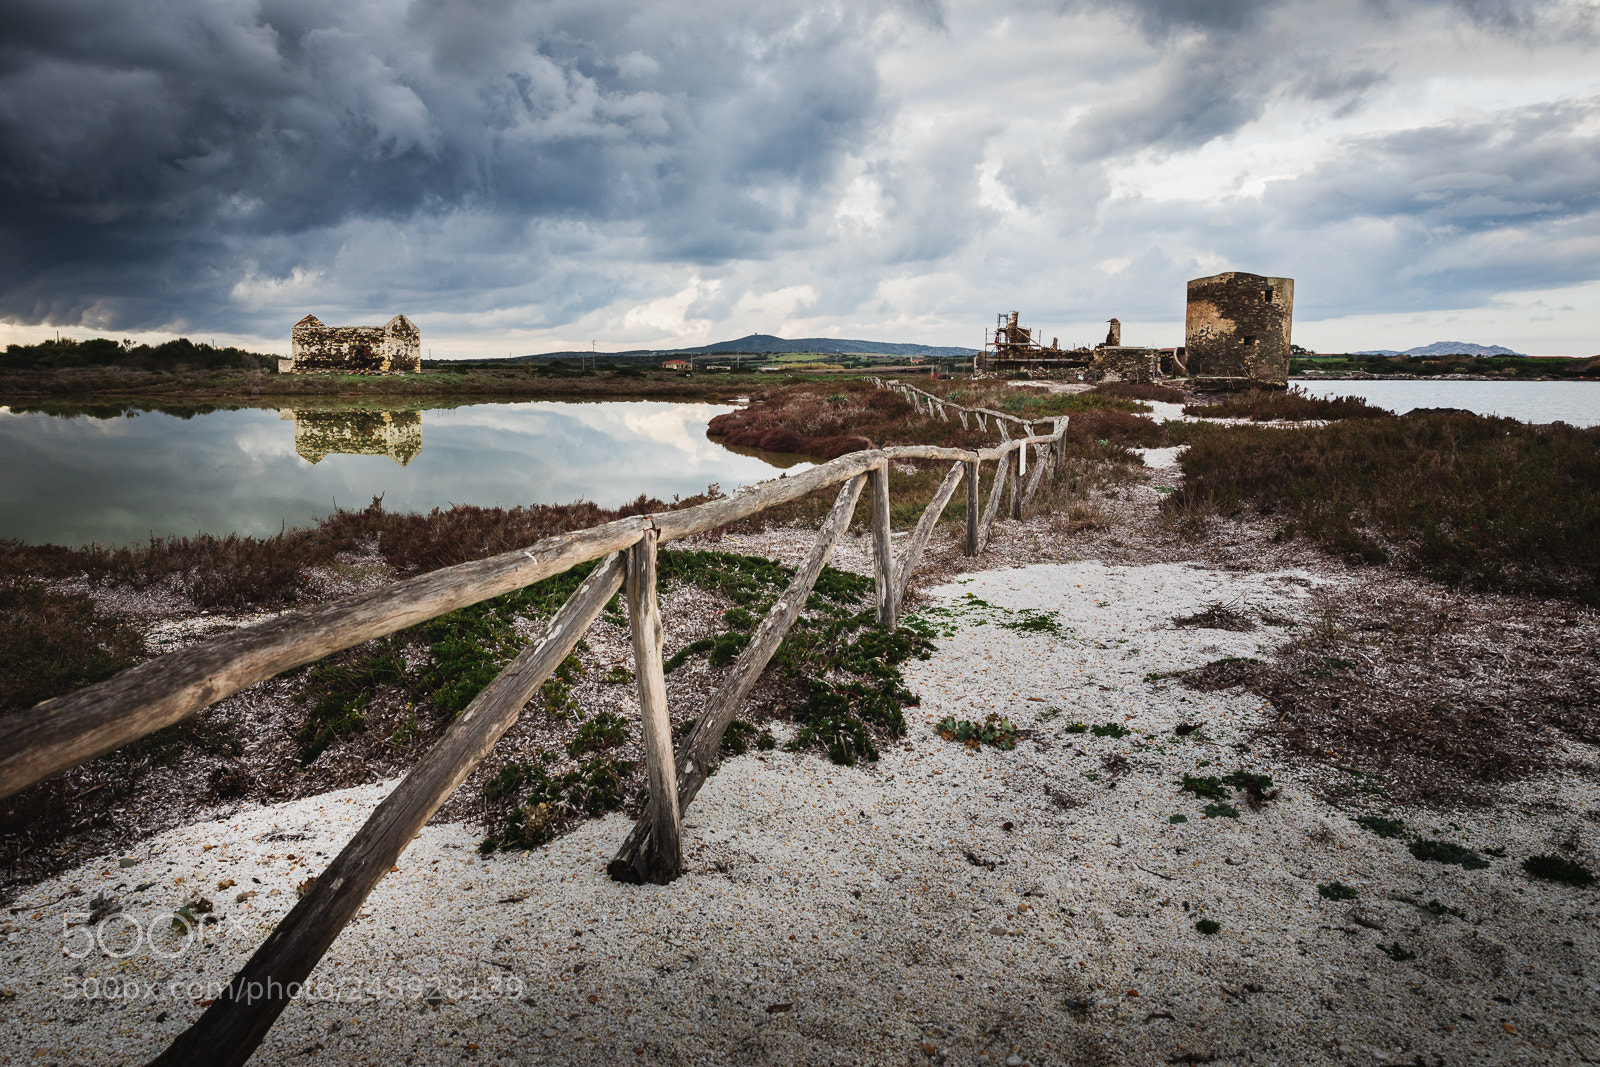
1381,825
1217,810
1208,927
737,737
1336,891
1551,868
605,730
1208,787
339,689
1249,782
993,730
530,805
1029,621
1447,852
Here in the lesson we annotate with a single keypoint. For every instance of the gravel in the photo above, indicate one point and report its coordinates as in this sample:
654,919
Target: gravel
1035,905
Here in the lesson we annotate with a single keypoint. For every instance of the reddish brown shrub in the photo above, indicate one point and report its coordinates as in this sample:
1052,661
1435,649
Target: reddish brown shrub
1264,405
1166,394
1116,427
889,405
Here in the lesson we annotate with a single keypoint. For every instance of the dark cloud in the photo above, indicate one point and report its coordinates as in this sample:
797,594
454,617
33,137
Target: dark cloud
141,144
1461,210
1226,61
1533,165
228,164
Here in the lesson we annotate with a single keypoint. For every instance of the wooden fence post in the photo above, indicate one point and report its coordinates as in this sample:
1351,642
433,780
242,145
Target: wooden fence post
664,859
1042,460
1017,465
990,509
973,505
229,1030
698,753
924,530
882,550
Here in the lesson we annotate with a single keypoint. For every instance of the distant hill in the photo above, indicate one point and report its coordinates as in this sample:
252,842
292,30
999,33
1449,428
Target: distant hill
1443,348
765,342
756,344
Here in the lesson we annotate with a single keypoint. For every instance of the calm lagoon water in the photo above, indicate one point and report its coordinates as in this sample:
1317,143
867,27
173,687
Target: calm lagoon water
77,479
1575,403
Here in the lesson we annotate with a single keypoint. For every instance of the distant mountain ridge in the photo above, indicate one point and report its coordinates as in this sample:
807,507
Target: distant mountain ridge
1443,348
766,344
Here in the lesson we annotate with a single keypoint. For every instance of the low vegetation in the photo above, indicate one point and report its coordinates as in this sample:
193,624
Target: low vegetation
1431,851
184,370
180,354
993,730
827,423
1478,502
1510,368
836,673
1286,405
1256,787
52,642
1388,688
1165,394
237,572
1552,868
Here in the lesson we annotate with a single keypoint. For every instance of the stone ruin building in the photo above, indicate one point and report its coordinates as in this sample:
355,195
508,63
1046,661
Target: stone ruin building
393,347
355,432
1237,337
1016,350
1237,333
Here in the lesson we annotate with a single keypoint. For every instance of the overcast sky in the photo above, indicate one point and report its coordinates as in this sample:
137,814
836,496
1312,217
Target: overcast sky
524,177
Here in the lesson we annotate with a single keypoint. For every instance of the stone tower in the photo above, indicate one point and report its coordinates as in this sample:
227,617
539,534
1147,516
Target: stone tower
1237,333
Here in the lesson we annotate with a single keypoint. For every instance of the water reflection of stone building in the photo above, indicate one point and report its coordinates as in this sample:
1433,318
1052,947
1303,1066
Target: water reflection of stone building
360,432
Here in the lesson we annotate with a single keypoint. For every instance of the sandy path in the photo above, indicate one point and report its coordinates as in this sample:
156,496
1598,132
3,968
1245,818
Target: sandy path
1034,905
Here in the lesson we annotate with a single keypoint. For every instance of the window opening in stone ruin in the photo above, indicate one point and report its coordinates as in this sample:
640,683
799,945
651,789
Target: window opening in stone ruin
1248,341
1266,296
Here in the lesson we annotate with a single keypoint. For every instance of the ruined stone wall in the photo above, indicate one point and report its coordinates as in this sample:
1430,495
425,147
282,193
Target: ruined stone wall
1124,364
1238,330
396,346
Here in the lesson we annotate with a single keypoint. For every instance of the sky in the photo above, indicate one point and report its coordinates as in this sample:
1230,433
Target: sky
526,177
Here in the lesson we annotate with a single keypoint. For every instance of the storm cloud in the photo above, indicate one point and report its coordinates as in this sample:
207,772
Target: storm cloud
145,146
654,173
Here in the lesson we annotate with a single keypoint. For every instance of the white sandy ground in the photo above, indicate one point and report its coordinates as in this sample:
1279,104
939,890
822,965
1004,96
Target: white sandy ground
942,905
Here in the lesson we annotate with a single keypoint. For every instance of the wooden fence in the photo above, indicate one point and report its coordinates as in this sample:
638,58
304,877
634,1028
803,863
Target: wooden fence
67,731
937,405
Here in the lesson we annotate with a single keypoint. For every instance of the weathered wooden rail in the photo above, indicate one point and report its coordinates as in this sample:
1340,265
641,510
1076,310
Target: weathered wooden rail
66,731
925,401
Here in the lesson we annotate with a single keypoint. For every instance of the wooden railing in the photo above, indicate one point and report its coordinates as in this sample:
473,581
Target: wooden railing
64,732
937,405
